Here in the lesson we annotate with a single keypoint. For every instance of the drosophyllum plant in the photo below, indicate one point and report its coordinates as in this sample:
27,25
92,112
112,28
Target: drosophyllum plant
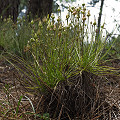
61,51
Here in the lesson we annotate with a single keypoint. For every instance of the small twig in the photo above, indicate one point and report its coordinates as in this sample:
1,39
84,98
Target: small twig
60,113
39,104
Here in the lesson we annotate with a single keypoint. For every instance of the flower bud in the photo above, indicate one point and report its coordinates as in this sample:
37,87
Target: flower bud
83,4
91,22
67,16
52,16
44,19
54,28
84,18
83,12
60,27
84,9
94,22
32,22
48,27
78,9
58,19
103,26
74,12
96,30
59,10
59,35
88,14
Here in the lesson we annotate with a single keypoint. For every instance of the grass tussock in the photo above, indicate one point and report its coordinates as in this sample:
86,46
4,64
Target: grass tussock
60,77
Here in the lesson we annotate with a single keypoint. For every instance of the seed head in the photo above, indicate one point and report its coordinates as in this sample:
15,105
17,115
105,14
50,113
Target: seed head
52,25
67,16
103,26
59,10
84,18
78,9
83,4
48,27
84,9
54,28
74,12
59,19
44,19
52,16
94,22
59,35
60,27
96,31
83,12
88,14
